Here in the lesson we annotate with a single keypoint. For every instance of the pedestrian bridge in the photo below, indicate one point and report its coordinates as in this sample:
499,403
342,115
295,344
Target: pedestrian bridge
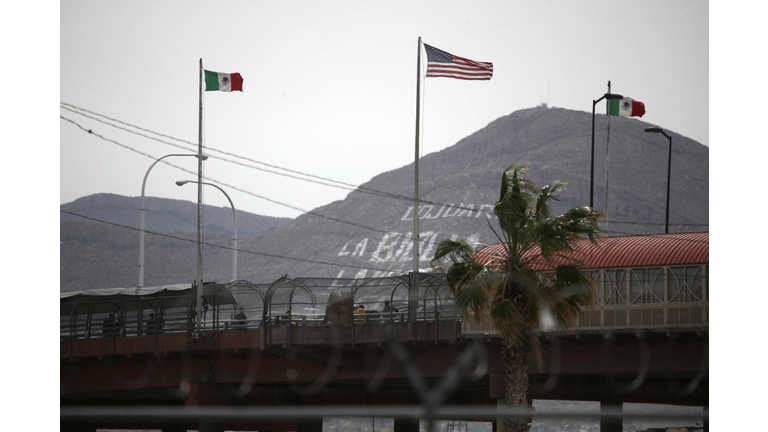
641,282
302,343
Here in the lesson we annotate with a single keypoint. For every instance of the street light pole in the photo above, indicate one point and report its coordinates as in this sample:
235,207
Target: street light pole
234,213
608,96
669,170
142,225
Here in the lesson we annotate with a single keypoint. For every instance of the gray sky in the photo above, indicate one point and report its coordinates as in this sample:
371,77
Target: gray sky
330,87
330,90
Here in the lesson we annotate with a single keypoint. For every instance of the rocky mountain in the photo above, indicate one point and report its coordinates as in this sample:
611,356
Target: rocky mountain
164,215
102,250
369,233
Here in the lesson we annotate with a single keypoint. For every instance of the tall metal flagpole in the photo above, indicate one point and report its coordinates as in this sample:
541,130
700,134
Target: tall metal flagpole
415,282
607,144
199,302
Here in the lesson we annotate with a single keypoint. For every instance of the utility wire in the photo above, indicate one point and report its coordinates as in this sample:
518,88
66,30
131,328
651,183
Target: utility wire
224,247
313,213
340,184
665,237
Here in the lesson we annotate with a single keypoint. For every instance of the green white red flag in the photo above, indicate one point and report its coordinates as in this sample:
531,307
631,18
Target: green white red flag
626,107
227,82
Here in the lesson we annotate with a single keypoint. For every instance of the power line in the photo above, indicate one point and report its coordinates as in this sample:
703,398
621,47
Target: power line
340,184
310,212
661,236
224,247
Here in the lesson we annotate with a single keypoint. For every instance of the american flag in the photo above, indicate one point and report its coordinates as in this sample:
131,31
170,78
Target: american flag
443,64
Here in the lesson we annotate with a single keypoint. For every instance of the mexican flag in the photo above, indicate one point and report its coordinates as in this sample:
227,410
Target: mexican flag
626,107
223,81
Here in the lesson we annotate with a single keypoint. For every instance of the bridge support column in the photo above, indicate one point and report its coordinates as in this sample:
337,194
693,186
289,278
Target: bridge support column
201,395
209,426
402,425
310,426
611,423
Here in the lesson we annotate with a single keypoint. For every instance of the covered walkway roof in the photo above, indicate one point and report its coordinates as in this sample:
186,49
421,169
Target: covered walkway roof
177,295
652,250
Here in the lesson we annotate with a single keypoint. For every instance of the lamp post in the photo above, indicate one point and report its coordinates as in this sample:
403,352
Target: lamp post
142,225
609,96
669,170
234,213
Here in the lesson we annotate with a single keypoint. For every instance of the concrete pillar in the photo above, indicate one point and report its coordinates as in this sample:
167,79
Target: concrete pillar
310,426
402,425
201,395
611,424
209,426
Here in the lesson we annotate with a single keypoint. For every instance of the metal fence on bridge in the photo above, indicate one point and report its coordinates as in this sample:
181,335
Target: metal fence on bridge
300,301
624,298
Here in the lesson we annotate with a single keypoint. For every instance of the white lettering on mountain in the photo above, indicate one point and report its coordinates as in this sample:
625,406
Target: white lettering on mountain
429,211
395,247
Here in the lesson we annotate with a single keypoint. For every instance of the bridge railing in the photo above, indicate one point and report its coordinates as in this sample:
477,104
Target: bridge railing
649,297
653,297
624,298
298,302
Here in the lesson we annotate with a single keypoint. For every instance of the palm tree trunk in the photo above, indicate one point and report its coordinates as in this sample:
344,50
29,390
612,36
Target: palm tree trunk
515,360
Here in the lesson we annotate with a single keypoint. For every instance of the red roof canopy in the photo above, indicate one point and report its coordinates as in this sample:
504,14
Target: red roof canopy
651,250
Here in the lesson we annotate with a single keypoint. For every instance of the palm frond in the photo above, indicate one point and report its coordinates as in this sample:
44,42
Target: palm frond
508,286
573,292
583,220
455,250
515,197
548,193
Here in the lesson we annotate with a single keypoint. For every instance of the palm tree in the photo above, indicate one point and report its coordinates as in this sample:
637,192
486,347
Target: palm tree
529,280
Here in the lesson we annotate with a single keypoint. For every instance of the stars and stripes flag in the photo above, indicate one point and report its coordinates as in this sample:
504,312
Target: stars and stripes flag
443,64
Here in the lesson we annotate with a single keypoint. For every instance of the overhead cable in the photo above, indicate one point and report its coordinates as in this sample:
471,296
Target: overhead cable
313,213
225,247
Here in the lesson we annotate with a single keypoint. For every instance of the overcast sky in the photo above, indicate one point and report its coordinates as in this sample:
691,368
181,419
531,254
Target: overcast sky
330,90
330,87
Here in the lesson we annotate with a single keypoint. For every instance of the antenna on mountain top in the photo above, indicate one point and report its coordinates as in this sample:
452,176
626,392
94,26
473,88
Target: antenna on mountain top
543,104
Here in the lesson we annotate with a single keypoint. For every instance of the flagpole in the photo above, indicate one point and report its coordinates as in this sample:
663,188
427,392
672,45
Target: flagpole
199,302
413,292
607,144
